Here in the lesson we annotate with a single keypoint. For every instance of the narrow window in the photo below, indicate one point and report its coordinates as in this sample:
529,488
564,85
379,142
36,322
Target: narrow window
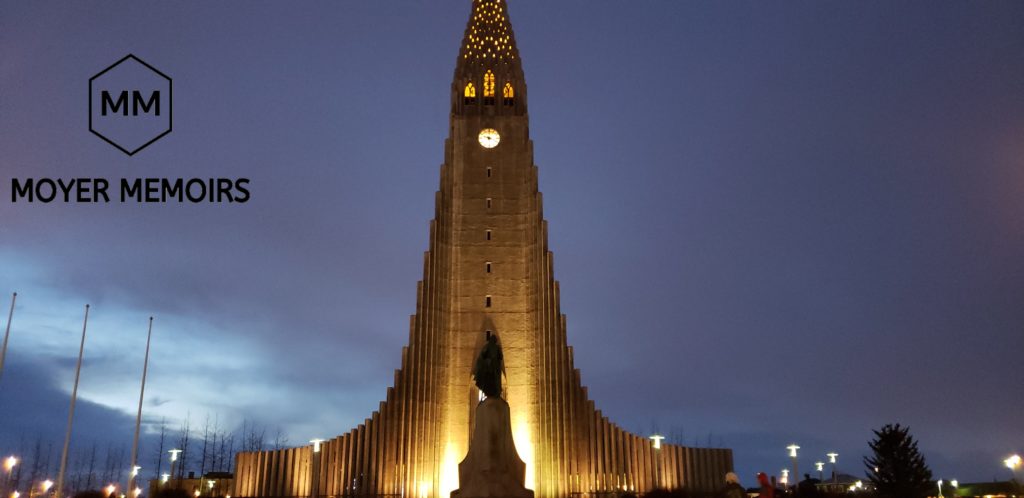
489,88
488,203
487,303
488,235
469,94
488,172
488,267
508,94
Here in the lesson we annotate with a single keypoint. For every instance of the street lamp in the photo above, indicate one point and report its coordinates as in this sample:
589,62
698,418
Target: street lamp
657,445
832,459
46,485
314,491
792,454
9,463
785,477
174,458
1013,463
821,470
109,490
164,478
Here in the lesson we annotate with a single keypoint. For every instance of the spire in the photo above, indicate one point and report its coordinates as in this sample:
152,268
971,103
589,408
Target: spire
489,39
488,74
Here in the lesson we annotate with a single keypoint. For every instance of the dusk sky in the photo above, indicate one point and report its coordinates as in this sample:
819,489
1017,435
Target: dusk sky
772,222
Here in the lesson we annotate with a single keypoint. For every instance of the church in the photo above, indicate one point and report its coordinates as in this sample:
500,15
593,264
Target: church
488,271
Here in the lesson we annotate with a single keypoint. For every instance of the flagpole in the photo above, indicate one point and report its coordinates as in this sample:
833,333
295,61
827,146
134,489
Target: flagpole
59,493
130,491
3,352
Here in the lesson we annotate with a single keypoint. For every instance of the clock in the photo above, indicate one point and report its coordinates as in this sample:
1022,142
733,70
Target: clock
489,138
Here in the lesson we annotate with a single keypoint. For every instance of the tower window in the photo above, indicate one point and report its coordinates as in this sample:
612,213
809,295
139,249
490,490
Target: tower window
488,266
487,303
469,94
488,235
489,88
508,94
488,172
488,203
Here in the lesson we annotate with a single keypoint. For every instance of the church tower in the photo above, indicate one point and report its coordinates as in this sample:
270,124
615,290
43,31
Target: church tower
488,268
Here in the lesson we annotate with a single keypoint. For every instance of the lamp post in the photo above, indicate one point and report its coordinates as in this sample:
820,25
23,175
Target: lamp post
820,466
9,464
792,454
940,488
174,458
314,486
657,458
832,459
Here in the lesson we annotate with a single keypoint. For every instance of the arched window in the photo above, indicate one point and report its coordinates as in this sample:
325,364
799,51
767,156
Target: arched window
489,87
508,94
469,93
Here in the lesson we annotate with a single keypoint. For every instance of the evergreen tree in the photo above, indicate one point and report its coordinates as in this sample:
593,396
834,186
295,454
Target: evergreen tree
897,468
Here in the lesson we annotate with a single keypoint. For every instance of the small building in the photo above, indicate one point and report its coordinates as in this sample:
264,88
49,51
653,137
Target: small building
210,484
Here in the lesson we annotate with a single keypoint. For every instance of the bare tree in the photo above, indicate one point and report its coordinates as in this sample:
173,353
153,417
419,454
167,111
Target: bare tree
253,436
91,476
206,441
280,439
160,450
183,439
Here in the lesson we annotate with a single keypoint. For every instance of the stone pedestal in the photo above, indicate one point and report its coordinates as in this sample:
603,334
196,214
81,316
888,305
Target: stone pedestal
492,467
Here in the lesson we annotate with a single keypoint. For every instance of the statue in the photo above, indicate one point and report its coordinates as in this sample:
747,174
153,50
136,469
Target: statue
492,467
490,365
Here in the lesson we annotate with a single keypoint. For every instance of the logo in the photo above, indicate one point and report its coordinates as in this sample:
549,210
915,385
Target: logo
130,104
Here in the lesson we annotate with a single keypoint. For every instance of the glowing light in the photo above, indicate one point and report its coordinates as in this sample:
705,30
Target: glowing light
46,485
164,478
211,484
1013,462
508,92
109,490
196,494
449,470
954,483
135,470
832,457
657,441
316,444
136,492
10,462
488,84
470,91
820,466
15,494
174,454
524,446
792,450
424,489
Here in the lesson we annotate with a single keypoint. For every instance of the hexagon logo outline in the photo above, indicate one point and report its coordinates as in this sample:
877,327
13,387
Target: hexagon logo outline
170,104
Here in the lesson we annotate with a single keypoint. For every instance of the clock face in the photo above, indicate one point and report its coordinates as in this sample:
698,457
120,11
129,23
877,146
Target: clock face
489,138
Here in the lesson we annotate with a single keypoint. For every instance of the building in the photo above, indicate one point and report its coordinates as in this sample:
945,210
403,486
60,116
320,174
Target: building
488,268
210,484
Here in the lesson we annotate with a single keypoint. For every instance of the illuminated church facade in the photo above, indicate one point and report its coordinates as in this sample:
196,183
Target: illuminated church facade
488,268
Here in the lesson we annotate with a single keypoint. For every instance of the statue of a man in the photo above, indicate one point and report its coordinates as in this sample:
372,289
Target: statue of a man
490,364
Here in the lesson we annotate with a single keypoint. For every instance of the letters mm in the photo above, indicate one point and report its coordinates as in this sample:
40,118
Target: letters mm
137,102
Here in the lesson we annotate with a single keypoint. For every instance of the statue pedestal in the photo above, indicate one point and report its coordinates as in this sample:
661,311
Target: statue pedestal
492,468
